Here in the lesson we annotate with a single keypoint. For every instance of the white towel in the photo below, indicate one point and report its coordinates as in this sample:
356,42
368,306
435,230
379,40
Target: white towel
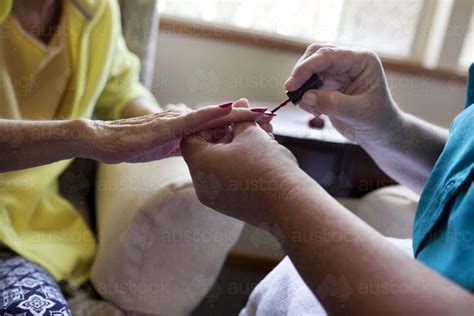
283,291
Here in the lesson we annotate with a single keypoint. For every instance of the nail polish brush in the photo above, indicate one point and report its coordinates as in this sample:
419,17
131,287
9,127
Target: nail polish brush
295,96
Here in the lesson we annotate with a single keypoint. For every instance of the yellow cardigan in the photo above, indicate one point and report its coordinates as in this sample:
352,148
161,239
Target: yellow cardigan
35,221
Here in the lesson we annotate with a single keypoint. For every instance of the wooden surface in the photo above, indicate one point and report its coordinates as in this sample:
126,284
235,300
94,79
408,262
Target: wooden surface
194,28
343,168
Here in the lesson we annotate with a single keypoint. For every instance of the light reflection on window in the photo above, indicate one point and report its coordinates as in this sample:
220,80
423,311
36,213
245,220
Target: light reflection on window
387,26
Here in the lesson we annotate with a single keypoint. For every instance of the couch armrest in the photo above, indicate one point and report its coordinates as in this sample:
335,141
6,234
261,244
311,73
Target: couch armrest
160,250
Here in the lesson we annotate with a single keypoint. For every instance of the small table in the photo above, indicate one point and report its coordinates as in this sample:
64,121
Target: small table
343,168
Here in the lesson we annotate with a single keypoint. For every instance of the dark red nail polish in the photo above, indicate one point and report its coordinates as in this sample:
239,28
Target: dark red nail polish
226,105
259,110
317,122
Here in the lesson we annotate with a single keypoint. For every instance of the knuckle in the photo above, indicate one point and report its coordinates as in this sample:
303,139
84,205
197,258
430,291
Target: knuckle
326,50
369,55
312,48
189,121
300,70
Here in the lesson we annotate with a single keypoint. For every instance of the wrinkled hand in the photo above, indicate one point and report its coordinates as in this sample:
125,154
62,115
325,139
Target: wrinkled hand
264,122
178,107
243,174
355,94
157,136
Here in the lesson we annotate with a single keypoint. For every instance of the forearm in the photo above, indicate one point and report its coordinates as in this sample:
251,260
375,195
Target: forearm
408,150
25,144
325,240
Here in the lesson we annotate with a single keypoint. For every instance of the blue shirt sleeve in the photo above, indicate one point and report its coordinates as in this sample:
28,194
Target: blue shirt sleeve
443,231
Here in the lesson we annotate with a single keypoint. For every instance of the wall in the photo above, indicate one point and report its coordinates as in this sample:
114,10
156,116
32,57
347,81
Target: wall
198,71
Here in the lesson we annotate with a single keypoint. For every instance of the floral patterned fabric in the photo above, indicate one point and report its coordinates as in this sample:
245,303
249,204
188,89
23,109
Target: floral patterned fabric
28,290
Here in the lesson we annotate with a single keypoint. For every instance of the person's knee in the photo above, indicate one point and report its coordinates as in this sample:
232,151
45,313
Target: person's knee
28,289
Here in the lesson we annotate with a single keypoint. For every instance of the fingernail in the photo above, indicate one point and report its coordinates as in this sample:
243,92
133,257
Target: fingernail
309,99
270,114
259,110
289,82
226,105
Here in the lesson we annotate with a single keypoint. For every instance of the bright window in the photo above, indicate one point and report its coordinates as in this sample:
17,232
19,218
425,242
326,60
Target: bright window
387,26
467,55
395,28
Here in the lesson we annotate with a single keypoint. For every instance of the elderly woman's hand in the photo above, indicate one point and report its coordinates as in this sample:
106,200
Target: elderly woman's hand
157,136
243,174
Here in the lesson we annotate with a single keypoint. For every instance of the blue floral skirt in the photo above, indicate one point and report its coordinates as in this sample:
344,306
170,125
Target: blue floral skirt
27,289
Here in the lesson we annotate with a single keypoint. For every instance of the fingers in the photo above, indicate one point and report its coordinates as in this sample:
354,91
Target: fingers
238,114
321,101
242,103
321,59
217,116
318,62
194,121
265,123
217,135
311,49
178,107
248,130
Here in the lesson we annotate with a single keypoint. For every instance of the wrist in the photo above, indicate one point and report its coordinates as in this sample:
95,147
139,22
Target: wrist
294,188
388,132
82,139
306,201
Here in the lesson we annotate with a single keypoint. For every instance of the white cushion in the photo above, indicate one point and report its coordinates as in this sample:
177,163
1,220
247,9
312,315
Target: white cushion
160,250
283,291
390,210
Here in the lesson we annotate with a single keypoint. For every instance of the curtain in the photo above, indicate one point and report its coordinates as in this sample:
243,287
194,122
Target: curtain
140,29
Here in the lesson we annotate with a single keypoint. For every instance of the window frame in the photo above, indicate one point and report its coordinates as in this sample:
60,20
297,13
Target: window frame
429,55
452,46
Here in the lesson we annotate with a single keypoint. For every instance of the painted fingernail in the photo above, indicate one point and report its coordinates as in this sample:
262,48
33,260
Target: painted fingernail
226,105
270,114
309,99
259,110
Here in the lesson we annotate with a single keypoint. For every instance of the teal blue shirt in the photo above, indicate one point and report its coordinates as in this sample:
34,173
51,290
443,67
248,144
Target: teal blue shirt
443,232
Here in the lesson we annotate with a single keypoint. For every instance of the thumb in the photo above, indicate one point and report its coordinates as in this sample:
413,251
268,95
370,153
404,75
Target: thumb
242,103
247,131
323,101
192,144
